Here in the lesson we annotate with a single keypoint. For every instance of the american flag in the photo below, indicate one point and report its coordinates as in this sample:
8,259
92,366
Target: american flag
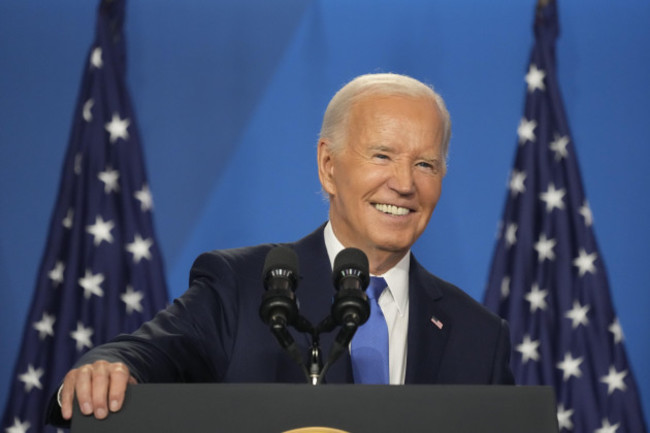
548,277
101,273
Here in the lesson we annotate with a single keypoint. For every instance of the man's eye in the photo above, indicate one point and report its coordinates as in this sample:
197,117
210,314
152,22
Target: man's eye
380,156
432,167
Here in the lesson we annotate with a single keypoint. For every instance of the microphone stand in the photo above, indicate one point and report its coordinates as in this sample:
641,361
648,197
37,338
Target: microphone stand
315,364
315,373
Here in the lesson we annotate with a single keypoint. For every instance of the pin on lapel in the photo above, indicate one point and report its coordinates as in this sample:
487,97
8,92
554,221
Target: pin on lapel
436,322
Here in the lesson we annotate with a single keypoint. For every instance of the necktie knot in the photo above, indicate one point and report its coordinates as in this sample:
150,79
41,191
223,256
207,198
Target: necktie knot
376,287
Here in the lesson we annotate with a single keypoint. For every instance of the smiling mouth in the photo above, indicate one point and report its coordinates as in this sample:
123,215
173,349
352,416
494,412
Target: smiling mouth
392,209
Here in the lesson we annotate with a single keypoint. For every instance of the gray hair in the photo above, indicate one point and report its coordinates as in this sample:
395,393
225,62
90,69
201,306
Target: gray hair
337,113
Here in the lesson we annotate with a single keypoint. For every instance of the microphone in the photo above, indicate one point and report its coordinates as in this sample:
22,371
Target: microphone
351,278
279,308
280,277
350,308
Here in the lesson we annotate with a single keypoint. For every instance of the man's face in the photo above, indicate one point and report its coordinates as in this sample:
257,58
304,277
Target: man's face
386,180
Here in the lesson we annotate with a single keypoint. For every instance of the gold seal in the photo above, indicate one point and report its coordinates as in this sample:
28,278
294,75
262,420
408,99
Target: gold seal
315,430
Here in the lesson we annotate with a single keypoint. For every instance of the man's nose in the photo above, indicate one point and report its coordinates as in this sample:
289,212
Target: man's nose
402,180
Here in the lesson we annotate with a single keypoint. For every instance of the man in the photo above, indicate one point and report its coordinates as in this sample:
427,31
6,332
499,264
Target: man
381,160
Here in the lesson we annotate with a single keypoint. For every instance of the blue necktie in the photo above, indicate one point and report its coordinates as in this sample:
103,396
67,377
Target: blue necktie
369,349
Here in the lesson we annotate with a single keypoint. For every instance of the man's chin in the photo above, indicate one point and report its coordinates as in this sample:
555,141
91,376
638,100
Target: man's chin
393,246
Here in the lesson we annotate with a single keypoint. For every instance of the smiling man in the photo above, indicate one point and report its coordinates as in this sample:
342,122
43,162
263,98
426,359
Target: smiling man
381,161
384,177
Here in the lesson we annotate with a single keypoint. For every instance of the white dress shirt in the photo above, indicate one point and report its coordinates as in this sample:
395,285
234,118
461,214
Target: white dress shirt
394,303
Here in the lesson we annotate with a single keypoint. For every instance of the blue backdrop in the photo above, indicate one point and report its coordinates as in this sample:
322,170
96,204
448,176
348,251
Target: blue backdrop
230,94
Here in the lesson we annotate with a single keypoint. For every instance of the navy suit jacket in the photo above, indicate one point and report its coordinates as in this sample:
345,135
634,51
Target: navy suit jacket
213,332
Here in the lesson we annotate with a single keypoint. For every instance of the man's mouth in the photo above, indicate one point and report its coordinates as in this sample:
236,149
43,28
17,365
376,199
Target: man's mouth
391,209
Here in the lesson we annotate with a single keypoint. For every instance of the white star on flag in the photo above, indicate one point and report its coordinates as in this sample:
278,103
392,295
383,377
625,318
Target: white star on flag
616,329
536,298
570,366
505,287
45,326
87,110
69,219
91,284
535,78
559,146
511,234
516,184
140,248
32,378
144,197
614,380
82,336
109,177
526,130
18,426
544,248
528,349
578,314
56,274
117,128
606,427
132,299
585,262
585,211
78,159
564,418
96,58
553,198
101,230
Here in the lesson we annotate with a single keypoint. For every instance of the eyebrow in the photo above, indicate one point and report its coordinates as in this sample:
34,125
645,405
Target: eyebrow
382,147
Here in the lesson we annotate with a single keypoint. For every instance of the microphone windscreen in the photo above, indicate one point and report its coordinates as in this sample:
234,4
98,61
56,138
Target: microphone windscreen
351,262
281,257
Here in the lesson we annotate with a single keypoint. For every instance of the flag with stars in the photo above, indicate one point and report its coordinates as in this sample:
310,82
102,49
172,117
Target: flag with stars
101,273
548,277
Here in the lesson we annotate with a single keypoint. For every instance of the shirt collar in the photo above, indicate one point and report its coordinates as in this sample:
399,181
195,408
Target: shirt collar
396,277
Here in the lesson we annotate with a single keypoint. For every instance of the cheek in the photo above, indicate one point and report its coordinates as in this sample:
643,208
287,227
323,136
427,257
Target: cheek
361,179
430,193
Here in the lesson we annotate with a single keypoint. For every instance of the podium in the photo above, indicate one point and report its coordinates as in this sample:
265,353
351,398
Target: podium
278,408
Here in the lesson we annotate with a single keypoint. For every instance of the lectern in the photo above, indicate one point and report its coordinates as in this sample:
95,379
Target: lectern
278,408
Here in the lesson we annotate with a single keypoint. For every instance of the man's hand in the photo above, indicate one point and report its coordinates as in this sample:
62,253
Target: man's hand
98,386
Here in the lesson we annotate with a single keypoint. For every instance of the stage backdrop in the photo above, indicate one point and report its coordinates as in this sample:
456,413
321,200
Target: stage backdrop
229,96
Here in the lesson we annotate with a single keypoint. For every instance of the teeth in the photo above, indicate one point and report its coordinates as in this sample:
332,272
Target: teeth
391,209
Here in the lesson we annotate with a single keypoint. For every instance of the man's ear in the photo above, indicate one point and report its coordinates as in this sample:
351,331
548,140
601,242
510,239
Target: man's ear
326,166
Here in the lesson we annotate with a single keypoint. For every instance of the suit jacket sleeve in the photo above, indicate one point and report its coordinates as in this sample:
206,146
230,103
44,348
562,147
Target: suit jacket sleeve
502,374
189,341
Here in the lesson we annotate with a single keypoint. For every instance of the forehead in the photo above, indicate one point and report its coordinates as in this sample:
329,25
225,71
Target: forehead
403,118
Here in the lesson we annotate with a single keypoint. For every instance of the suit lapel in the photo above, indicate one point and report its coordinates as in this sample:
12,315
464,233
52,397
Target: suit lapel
428,327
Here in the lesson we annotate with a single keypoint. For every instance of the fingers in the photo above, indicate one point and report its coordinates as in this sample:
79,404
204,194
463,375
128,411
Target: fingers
99,383
98,387
119,378
67,393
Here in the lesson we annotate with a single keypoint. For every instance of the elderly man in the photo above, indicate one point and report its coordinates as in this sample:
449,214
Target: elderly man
381,160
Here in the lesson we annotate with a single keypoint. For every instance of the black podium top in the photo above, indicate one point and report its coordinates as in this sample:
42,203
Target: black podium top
271,408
